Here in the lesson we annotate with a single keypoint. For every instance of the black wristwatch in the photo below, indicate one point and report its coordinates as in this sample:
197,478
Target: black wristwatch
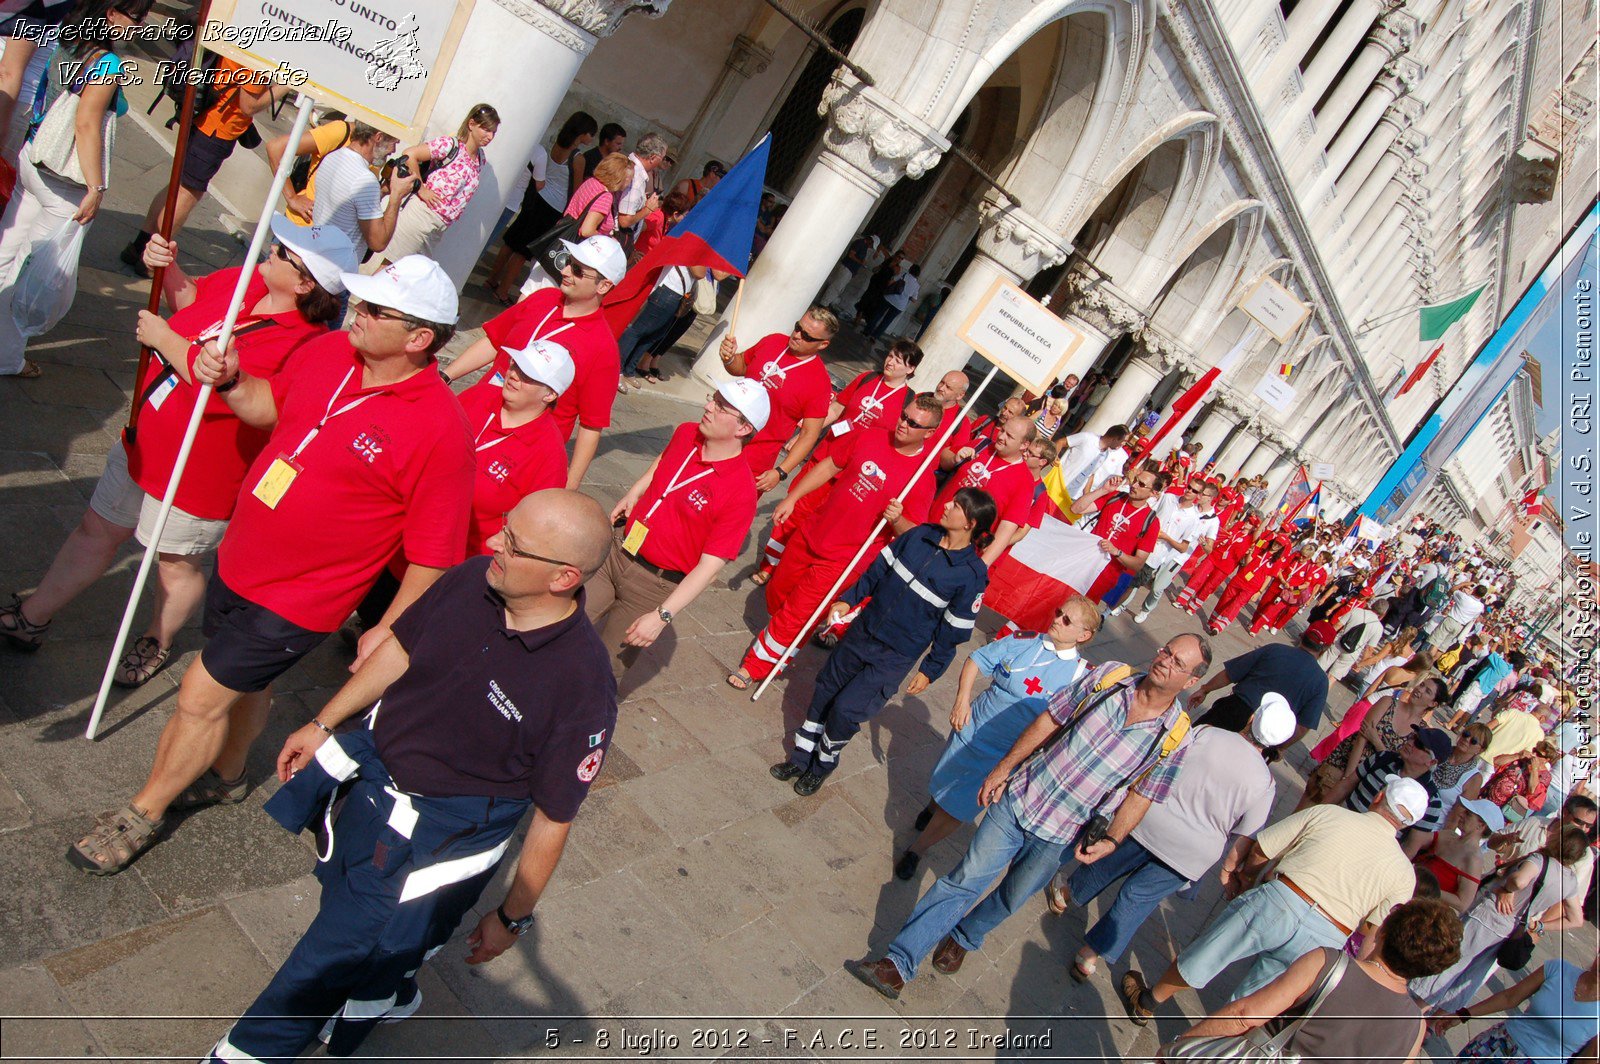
1463,1015
516,927
230,386
783,474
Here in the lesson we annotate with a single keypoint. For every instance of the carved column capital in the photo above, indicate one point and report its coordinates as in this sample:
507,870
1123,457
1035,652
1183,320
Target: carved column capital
1017,240
1096,301
748,58
873,141
599,18
1396,32
1163,351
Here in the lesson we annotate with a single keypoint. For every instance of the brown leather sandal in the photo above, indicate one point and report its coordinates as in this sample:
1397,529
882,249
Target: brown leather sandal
142,660
115,840
17,630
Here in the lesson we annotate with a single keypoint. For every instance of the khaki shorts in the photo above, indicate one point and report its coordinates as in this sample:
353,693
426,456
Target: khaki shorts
118,499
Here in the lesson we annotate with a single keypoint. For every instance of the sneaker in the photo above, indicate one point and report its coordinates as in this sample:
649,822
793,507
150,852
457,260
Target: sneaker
1115,611
784,770
1141,617
906,867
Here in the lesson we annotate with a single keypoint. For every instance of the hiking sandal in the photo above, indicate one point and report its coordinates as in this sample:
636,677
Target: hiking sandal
140,662
114,841
18,630
212,789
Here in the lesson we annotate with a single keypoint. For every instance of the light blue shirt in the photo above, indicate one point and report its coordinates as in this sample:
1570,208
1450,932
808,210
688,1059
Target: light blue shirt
1553,1025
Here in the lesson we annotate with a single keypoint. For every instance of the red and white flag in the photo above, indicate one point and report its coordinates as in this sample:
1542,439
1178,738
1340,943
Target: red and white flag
1532,504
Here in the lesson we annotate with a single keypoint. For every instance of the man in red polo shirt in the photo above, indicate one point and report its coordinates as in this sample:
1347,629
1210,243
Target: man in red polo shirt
1127,526
867,470
951,391
1003,472
570,315
518,446
680,523
790,368
369,455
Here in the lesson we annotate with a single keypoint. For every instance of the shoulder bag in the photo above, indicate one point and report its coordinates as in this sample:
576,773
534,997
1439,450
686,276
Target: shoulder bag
55,143
1517,950
547,246
1257,1045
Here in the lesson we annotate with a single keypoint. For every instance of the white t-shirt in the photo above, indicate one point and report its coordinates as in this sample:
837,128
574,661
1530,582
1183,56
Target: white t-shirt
1181,523
908,291
533,170
346,191
633,199
557,184
1464,608
1081,458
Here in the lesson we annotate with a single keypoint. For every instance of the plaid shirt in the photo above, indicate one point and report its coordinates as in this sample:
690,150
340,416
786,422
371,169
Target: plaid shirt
1056,792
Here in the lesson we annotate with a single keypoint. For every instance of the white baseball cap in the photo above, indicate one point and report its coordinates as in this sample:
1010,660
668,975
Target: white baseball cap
1406,798
749,398
601,253
547,362
415,285
1274,722
325,250
1486,811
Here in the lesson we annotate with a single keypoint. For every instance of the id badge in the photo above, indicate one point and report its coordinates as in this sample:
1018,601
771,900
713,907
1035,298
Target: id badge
498,379
275,482
164,389
840,427
635,537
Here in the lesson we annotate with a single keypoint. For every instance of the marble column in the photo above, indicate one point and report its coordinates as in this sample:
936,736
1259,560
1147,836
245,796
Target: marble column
1305,25
1372,156
1374,207
869,143
1100,311
1013,246
1336,50
553,37
1397,79
745,60
1214,430
1236,450
1128,392
1349,102
1278,474
1260,458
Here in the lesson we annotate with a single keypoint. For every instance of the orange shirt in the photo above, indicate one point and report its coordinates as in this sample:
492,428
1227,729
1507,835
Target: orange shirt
226,120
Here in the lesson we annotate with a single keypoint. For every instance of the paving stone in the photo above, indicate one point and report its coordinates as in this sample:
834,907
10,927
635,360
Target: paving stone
275,917
613,831
707,883
14,812
764,964
38,1021
217,853
652,737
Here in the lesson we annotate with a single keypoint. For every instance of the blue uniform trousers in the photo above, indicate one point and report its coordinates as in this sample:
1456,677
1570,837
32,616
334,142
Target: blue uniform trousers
859,678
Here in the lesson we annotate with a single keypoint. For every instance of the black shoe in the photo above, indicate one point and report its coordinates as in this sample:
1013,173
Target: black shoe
924,818
808,784
133,255
785,771
906,867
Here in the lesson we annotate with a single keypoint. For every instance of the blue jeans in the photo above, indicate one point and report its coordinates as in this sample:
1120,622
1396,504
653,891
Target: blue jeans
1001,846
1148,883
1271,923
652,322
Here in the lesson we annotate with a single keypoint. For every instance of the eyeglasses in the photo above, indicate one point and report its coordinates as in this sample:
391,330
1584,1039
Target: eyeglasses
377,313
564,261
807,337
281,252
905,418
511,548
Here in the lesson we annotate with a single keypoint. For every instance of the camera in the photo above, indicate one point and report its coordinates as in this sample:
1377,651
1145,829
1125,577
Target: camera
1098,829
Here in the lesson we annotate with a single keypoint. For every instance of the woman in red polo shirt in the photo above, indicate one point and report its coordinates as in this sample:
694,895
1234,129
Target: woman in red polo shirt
1266,559
291,298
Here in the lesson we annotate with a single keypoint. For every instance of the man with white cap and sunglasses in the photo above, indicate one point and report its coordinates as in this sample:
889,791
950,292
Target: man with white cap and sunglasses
680,523
1225,791
369,455
569,314
1333,872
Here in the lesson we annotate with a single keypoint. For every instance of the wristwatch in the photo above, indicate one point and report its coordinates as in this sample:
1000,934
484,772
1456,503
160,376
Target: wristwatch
783,474
516,927
228,387
665,615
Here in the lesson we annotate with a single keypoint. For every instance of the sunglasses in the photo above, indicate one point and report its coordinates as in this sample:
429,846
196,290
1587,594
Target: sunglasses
511,548
377,313
281,252
565,261
905,418
807,337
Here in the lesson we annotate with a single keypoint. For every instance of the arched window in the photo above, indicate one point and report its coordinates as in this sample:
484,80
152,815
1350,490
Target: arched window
796,126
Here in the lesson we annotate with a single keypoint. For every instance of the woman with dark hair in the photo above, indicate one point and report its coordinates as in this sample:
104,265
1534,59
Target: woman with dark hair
291,298
925,590
542,204
1559,1024
1367,1013
63,175
444,193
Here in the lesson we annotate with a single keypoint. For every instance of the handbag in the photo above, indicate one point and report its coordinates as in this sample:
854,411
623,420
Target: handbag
1257,1044
54,146
1517,950
705,295
547,246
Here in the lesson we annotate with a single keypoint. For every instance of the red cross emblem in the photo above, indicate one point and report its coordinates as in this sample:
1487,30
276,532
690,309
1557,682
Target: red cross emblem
1032,685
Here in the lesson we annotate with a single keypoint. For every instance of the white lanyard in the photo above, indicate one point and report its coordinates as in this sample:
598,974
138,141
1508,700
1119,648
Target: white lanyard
777,368
492,443
553,332
330,413
876,399
674,484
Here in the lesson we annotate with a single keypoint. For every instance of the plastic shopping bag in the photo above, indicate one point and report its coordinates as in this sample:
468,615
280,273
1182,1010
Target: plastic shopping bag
48,281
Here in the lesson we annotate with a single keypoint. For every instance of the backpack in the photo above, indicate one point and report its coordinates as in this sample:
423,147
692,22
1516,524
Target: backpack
173,79
304,166
1437,593
1352,638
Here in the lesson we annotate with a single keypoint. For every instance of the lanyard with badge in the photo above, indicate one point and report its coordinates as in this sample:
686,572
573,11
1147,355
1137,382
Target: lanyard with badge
497,441
637,530
165,382
873,402
500,378
275,482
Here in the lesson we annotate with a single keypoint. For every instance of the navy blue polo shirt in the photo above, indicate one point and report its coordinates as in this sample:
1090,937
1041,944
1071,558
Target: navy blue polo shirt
1288,670
486,711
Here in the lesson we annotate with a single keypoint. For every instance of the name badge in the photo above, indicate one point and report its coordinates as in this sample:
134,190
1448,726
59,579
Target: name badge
275,482
635,537
498,379
164,389
840,427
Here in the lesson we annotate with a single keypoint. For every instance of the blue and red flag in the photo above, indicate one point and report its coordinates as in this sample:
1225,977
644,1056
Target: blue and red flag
718,233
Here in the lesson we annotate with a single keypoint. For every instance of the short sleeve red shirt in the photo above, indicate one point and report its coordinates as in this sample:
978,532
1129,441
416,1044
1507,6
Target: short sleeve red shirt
1121,522
710,510
869,402
962,436
871,472
225,446
588,339
512,463
798,388
1010,483
392,475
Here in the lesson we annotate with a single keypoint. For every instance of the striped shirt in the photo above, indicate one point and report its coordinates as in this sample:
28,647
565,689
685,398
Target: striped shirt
1058,789
1371,776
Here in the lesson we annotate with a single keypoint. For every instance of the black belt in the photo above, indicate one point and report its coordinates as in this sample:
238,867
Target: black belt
669,575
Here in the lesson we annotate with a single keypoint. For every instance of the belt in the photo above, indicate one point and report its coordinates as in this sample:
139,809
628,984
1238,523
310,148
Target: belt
669,575
1309,900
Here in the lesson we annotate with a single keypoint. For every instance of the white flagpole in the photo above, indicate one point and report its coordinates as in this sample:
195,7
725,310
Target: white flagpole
827,600
302,119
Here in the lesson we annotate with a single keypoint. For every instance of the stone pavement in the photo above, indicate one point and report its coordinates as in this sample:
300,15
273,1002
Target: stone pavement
694,886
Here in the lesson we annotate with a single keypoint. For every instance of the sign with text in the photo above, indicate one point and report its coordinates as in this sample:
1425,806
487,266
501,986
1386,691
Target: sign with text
1274,308
1021,336
379,61
1275,392
1322,471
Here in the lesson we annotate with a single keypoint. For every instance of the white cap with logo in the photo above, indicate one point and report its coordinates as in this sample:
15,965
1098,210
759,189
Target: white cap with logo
749,398
1406,798
600,253
325,250
547,362
415,286
1274,722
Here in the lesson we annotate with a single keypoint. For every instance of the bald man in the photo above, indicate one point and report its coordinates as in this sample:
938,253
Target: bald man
951,391
496,695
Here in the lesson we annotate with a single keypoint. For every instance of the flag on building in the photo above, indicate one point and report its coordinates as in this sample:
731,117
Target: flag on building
1192,398
1532,504
717,233
1433,323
